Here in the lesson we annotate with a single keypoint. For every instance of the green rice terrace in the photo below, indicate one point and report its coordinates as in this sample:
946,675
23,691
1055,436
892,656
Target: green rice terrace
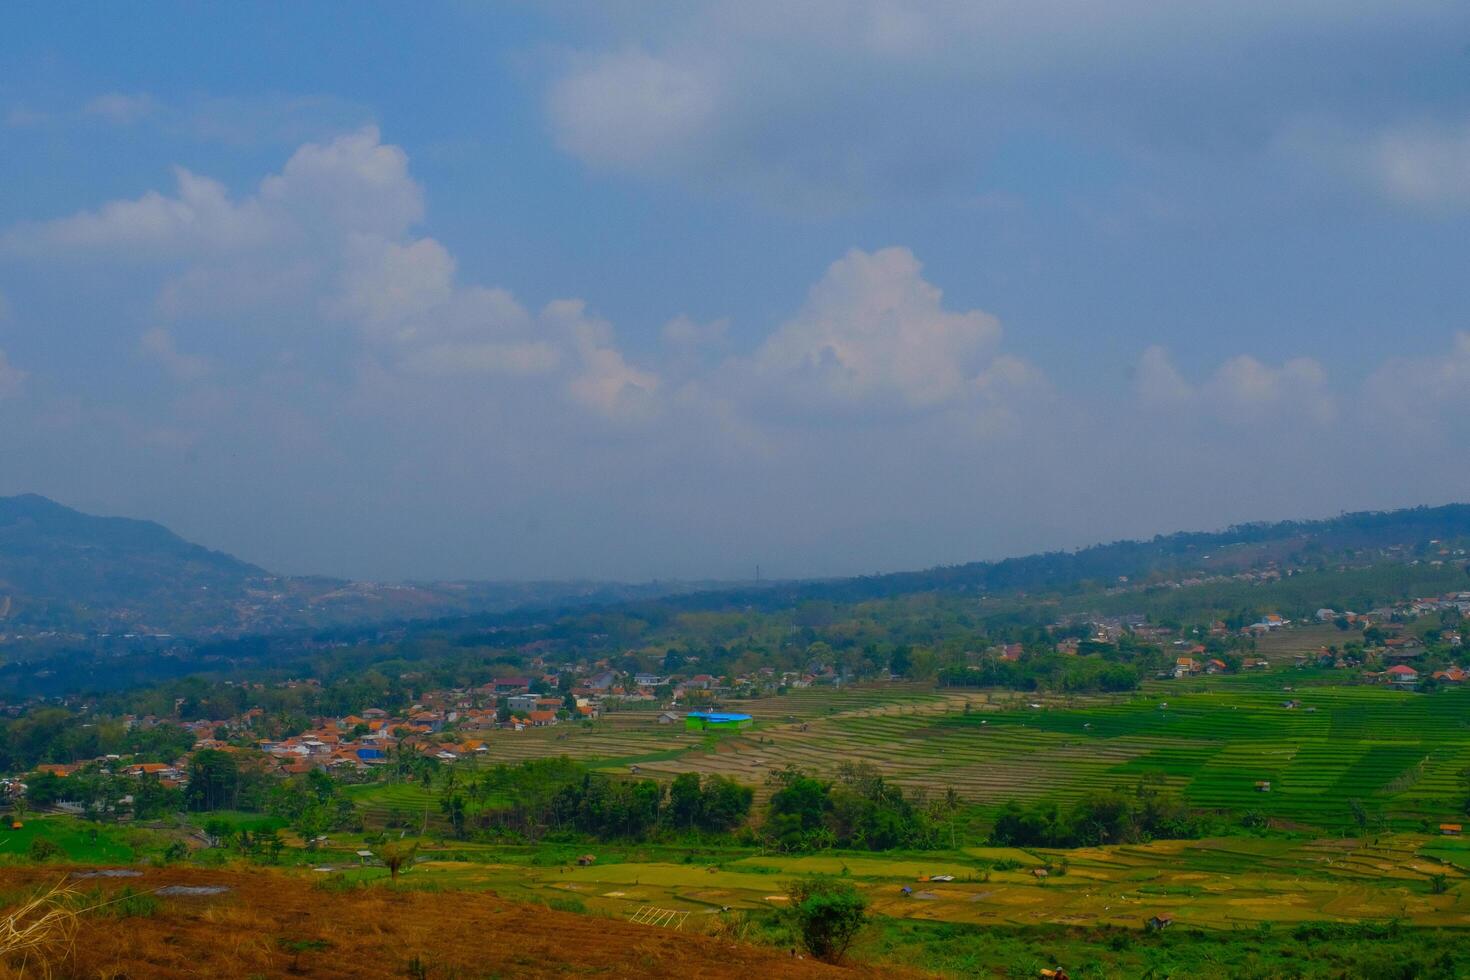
1397,758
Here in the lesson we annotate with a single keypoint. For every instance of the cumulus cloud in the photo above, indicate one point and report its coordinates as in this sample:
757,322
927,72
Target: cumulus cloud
12,378
353,184
1241,390
873,329
333,230
605,381
198,215
158,344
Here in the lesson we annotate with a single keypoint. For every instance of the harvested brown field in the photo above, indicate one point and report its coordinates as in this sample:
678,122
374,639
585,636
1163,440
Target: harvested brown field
284,924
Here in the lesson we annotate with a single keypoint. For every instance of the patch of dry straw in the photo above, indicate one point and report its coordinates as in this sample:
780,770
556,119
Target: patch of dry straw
39,934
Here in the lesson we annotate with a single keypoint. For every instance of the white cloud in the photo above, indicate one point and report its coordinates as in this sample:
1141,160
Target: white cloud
353,183
391,287
687,333
633,111
199,215
483,358
605,382
1411,392
12,378
851,100
1241,390
121,108
1425,164
331,233
158,344
874,331
1158,382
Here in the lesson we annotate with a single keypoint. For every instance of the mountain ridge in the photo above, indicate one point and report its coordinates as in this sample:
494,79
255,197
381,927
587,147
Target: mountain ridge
62,569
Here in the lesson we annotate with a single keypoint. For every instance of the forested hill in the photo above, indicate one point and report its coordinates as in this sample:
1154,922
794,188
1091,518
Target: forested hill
48,550
1418,531
63,571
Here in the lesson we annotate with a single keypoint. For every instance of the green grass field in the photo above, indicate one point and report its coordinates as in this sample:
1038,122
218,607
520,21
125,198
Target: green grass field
79,841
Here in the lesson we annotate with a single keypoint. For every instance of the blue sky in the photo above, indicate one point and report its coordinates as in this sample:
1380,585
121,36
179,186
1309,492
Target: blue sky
669,289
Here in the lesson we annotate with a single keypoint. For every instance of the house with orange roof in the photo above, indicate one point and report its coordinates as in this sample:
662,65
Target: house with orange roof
1401,674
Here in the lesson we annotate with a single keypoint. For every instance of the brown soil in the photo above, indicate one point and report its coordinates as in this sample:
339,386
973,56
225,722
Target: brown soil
260,924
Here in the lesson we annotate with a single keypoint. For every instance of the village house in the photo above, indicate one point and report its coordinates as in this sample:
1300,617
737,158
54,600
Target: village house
1401,674
522,702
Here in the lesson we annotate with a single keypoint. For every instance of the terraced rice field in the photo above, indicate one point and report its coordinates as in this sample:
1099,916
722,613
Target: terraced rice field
382,802
1398,754
1222,883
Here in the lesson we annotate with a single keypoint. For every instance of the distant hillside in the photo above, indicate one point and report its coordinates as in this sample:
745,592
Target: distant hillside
73,573
50,550
1428,532
62,570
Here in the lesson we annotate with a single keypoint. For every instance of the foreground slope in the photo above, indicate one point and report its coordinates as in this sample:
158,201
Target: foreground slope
275,924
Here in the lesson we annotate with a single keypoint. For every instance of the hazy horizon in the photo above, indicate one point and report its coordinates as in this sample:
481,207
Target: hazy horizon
671,291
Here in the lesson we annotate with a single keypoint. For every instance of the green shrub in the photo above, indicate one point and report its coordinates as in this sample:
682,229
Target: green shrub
44,849
827,914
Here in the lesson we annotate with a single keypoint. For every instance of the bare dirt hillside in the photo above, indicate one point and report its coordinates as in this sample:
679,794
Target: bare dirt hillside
279,924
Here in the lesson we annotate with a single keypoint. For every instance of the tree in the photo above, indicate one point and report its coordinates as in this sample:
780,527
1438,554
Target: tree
900,662
151,798
686,800
828,914
797,809
217,831
726,803
453,806
214,781
395,855
44,788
